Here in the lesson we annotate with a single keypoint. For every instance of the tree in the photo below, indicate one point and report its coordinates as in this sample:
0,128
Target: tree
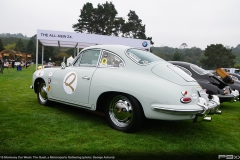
184,45
105,15
1,45
20,46
134,27
218,56
176,56
31,47
10,47
103,20
86,19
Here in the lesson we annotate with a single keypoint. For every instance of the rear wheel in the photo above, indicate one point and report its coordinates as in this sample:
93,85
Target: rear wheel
42,93
124,113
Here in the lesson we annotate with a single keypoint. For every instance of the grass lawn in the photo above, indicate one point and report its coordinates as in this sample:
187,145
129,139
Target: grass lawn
27,128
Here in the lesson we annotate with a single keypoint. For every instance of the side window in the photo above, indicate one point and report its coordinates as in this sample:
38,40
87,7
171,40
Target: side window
110,60
88,58
185,70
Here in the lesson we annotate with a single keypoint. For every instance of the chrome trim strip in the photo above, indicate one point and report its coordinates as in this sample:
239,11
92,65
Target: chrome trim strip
178,111
69,103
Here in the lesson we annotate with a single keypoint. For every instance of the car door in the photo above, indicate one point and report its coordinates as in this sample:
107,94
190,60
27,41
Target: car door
71,85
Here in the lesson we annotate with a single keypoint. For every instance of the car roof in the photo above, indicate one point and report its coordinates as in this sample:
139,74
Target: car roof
114,48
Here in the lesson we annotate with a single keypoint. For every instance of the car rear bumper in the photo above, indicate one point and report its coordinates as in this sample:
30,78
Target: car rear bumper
201,110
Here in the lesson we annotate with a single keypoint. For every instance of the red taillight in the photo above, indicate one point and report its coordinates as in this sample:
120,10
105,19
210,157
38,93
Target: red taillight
186,99
184,93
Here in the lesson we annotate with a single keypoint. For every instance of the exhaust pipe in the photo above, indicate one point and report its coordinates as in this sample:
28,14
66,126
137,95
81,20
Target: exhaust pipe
208,119
218,112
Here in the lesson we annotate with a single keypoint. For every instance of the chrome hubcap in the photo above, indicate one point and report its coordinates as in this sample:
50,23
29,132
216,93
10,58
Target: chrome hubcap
120,111
43,93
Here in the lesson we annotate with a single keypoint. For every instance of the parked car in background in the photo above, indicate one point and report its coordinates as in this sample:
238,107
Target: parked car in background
235,76
213,84
127,85
235,85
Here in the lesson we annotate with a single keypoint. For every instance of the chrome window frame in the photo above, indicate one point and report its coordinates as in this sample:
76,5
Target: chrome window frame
79,56
196,71
185,69
100,57
126,53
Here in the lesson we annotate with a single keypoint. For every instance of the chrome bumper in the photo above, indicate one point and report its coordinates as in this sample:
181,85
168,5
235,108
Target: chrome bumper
235,94
208,107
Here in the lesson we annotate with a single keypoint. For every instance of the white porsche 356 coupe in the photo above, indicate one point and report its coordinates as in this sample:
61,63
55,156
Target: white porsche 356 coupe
127,84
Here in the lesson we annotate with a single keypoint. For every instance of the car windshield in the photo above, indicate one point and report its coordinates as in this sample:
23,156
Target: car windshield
142,57
198,70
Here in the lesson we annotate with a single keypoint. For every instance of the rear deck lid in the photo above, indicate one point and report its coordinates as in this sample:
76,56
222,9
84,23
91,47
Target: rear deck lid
173,73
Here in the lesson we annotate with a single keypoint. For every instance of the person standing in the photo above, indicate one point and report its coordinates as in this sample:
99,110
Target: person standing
26,64
13,63
1,65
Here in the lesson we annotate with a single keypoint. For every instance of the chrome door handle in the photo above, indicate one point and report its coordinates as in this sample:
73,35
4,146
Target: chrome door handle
87,78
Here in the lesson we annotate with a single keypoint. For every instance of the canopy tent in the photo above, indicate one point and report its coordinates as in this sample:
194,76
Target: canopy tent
82,40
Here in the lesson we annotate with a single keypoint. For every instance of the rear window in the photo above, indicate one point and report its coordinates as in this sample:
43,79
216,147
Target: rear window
182,74
199,70
142,57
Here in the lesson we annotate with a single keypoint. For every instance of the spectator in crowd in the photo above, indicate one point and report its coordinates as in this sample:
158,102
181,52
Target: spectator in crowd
13,63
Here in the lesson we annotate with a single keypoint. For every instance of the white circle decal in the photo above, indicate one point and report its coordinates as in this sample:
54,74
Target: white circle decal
70,82
39,73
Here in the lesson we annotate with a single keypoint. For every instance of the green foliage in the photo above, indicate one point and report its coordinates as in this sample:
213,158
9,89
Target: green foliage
10,47
102,20
31,48
1,45
192,55
11,40
59,57
176,56
218,56
18,35
237,66
20,46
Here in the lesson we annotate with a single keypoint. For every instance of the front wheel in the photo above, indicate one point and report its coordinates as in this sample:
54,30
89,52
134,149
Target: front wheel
124,113
42,93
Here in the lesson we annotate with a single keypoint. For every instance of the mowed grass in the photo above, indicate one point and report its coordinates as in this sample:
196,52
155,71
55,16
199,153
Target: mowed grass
27,128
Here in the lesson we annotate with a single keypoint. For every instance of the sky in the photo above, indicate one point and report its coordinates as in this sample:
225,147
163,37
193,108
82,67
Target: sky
198,23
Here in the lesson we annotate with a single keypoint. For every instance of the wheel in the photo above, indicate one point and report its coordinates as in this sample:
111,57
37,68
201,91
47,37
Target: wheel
42,93
124,113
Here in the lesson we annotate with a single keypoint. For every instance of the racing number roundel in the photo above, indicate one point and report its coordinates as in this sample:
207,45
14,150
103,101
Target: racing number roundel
70,82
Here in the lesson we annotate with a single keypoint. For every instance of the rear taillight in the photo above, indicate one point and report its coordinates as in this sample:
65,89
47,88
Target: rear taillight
185,98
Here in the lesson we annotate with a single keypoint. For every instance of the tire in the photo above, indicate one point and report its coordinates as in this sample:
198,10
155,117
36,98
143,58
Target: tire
42,93
124,113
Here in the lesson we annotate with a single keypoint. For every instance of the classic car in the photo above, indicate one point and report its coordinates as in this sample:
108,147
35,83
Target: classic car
126,84
213,84
235,76
235,82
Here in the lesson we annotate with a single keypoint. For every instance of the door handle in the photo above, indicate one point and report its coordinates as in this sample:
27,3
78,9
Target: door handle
85,77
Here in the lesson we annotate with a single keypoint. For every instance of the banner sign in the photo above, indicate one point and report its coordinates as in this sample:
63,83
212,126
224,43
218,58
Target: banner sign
80,40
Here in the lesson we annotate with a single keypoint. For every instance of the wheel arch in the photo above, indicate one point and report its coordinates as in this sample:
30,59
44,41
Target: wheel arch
102,99
36,83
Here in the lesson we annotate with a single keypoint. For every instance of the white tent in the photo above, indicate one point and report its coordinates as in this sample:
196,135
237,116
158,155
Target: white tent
69,60
82,40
